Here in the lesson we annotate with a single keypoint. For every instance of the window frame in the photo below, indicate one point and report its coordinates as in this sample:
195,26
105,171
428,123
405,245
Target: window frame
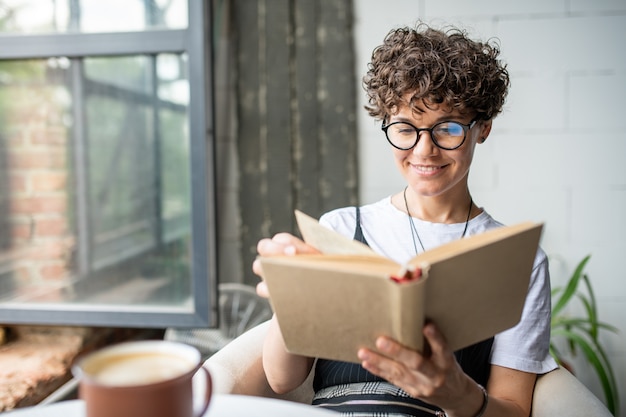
196,42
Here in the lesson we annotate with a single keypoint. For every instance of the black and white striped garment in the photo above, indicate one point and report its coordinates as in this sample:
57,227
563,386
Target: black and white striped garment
372,399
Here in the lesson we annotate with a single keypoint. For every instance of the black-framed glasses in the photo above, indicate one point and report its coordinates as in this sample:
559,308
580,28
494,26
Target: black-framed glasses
445,135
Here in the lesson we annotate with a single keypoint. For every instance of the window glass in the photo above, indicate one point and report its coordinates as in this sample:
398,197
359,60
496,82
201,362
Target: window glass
90,16
94,182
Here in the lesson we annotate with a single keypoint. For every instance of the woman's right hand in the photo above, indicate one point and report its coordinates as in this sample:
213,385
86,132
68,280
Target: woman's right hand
280,244
284,371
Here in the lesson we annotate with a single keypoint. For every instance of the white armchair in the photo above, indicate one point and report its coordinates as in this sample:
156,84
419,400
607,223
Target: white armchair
237,369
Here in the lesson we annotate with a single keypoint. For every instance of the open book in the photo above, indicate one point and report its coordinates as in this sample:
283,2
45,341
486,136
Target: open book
331,304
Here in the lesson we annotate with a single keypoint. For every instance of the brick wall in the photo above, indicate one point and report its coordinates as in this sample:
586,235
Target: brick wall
36,360
36,194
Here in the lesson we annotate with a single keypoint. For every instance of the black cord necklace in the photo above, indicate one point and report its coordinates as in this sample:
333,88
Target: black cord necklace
414,229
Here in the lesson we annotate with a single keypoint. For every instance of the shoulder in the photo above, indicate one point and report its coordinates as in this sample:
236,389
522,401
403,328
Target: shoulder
343,220
484,222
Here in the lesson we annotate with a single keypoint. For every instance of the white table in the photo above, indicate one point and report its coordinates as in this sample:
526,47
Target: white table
221,405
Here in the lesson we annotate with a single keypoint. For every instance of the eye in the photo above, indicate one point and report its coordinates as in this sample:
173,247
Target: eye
403,129
449,129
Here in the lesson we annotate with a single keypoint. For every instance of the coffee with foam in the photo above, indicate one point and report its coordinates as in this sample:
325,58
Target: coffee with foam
137,368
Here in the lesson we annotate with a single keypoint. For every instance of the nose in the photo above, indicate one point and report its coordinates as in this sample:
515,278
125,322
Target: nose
425,146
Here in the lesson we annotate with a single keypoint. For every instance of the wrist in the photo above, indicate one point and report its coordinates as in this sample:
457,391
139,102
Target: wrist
474,403
485,398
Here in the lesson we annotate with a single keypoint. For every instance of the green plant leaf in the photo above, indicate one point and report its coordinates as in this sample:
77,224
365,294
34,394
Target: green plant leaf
609,368
581,333
598,361
571,287
592,296
592,318
579,323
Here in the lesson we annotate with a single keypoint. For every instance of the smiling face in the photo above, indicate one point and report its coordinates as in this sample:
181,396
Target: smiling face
431,171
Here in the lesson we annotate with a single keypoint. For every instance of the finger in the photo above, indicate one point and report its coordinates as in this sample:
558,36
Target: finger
257,268
290,240
435,339
440,353
268,247
283,244
396,351
261,290
372,361
390,370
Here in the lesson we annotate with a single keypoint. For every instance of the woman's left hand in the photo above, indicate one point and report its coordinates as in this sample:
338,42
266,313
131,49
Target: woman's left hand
436,378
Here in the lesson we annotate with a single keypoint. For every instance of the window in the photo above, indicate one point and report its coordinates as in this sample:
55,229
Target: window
106,169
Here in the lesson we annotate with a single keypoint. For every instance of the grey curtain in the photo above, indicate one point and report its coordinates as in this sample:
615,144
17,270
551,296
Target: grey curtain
294,127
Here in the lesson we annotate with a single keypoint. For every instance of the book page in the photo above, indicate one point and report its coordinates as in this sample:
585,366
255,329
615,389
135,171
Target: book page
328,241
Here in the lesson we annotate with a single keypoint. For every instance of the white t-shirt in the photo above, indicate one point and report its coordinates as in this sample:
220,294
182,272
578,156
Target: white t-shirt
387,230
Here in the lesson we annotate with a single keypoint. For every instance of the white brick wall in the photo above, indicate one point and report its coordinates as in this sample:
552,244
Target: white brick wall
558,152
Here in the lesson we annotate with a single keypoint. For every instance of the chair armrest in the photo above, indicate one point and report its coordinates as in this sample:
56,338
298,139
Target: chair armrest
237,368
559,393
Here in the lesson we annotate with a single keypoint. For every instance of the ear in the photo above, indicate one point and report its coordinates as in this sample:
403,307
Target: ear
485,131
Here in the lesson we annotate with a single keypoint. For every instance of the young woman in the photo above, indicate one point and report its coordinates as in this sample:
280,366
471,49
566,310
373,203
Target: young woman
436,94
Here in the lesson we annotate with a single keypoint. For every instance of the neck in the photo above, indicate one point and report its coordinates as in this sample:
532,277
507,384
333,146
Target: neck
415,233
436,209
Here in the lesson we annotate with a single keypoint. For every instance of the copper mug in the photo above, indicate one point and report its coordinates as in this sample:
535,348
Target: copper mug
144,379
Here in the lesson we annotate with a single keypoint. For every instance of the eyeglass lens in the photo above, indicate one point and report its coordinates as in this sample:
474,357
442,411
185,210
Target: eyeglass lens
446,135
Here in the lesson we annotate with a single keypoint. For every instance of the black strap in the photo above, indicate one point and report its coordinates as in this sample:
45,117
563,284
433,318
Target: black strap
358,231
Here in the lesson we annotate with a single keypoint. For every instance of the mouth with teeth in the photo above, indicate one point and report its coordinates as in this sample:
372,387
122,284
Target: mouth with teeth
428,169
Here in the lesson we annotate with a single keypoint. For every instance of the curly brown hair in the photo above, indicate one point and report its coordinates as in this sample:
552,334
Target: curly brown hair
440,69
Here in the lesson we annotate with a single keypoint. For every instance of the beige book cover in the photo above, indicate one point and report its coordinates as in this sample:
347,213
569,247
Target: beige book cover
331,304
